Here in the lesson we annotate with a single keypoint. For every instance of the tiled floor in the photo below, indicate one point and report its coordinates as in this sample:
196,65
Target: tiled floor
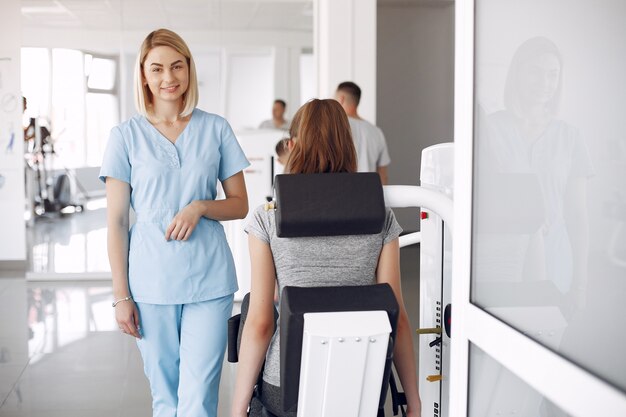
60,351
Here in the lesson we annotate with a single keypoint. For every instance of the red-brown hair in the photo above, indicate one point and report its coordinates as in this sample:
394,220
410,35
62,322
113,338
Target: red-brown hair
322,139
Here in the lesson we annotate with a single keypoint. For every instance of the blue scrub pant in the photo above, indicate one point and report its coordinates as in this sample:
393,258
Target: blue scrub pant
183,349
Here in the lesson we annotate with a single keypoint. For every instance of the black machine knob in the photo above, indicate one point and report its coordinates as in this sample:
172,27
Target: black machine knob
447,319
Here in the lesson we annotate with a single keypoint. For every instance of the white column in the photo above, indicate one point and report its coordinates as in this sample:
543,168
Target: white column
344,34
12,200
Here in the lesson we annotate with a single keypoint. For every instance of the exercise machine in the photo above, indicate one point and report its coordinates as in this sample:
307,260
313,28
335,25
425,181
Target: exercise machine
334,360
53,193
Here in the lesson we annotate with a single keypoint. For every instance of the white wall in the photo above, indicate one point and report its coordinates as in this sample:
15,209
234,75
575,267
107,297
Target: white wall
13,241
210,47
249,87
287,79
415,86
345,48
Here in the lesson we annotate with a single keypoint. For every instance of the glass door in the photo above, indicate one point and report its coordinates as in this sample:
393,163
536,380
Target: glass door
539,269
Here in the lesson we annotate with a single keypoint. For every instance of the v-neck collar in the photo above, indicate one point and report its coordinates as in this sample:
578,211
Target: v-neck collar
165,140
168,149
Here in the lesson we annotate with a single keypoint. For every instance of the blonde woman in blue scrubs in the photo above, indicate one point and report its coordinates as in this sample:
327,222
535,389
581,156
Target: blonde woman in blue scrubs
173,274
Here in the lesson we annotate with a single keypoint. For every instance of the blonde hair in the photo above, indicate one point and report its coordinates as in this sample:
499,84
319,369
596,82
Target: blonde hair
322,139
143,95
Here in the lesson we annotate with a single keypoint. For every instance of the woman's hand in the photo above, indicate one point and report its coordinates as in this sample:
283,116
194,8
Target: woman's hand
127,317
184,223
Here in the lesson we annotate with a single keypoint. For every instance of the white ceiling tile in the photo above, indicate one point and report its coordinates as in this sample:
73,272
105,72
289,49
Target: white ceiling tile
182,14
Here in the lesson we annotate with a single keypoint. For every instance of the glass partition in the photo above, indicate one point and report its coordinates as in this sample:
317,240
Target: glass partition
494,391
549,202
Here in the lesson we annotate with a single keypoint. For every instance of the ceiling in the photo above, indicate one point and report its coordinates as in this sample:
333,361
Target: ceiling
193,15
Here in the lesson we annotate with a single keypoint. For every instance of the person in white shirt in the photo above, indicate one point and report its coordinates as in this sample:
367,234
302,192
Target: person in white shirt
369,141
278,120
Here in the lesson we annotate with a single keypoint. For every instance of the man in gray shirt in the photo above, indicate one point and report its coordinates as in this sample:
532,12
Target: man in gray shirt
369,141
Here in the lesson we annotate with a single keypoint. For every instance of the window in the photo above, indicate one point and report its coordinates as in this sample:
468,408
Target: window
75,95
101,105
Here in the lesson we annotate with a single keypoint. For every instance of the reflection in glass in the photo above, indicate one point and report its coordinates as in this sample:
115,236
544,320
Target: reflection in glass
495,391
549,196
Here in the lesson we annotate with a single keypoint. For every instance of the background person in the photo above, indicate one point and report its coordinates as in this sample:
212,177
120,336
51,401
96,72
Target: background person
278,120
282,151
369,141
527,136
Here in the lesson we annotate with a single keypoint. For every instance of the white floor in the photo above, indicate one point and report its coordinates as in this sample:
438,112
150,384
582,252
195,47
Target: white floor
60,351
69,246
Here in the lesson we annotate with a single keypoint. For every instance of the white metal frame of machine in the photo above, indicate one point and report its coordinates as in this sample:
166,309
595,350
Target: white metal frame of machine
343,362
573,389
439,206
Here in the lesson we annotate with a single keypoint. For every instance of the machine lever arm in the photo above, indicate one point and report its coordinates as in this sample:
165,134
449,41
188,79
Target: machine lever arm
435,342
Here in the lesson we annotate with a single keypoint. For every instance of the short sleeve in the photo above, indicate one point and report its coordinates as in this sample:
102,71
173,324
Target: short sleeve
383,159
116,161
581,162
259,225
392,229
232,158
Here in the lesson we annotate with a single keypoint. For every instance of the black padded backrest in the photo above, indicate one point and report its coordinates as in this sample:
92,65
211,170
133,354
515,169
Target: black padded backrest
295,301
329,204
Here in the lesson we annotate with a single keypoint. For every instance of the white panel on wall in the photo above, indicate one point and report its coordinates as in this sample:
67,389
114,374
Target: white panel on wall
13,244
308,77
250,89
127,101
209,81
282,73
287,78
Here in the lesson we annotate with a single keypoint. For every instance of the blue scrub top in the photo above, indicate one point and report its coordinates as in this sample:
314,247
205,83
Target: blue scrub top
164,178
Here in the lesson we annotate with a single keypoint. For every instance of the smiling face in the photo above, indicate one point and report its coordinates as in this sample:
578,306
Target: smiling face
539,79
166,73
